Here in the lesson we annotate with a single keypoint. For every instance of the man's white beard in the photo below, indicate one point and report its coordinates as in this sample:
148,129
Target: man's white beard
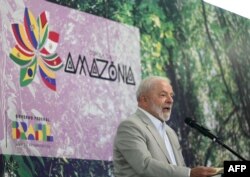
158,109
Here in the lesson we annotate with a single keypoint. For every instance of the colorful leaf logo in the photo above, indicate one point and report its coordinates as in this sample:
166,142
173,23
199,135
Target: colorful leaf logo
36,48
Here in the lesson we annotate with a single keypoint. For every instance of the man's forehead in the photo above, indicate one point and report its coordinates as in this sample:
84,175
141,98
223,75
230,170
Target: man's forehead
162,86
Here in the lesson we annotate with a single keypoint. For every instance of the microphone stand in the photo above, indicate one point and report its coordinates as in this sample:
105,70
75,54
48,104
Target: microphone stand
216,139
206,132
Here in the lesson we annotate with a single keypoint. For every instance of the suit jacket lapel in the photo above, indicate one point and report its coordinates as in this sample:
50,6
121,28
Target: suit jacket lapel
150,126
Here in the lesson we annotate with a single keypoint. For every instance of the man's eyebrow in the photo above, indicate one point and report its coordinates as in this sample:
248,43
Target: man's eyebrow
171,93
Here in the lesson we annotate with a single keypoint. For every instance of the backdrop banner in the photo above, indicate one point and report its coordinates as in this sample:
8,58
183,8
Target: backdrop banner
67,79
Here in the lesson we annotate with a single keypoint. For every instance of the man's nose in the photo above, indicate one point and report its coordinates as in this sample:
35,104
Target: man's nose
169,99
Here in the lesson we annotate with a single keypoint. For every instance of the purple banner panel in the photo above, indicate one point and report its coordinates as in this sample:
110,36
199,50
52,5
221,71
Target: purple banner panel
67,79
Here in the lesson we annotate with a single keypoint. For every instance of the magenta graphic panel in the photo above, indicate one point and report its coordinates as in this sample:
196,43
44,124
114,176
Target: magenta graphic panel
67,79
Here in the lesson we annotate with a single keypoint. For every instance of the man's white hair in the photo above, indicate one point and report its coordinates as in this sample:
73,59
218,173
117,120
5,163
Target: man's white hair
147,84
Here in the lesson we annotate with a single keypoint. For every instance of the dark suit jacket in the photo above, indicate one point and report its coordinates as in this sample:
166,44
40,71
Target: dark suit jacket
139,150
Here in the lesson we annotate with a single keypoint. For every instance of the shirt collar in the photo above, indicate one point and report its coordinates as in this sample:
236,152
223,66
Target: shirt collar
157,123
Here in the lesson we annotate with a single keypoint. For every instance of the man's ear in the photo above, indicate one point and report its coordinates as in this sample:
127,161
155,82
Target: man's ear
142,100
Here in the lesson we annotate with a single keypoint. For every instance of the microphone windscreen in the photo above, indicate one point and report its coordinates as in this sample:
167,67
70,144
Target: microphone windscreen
188,121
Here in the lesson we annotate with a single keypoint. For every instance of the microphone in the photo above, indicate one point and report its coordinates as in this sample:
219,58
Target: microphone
192,123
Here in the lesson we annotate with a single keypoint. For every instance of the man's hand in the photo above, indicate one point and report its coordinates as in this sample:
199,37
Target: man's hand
202,171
